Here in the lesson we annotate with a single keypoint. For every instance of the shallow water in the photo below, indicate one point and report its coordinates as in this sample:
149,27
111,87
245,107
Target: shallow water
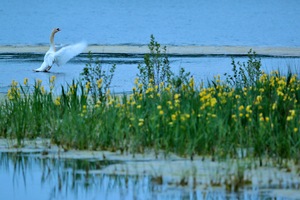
196,22
32,176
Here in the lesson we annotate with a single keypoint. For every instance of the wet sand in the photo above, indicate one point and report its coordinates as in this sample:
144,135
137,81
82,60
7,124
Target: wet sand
176,50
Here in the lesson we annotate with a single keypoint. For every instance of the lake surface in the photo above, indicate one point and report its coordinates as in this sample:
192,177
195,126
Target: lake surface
131,22
258,23
203,68
32,176
177,22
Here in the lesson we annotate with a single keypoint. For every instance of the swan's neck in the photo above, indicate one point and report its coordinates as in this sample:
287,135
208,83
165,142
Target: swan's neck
52,45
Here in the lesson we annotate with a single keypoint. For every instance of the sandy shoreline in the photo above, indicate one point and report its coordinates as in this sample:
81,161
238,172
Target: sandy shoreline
177,50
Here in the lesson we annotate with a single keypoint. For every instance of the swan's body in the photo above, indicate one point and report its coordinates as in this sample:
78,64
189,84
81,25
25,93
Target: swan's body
61,56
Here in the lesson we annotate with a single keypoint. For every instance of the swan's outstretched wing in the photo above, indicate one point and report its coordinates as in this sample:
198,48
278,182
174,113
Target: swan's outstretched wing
67,53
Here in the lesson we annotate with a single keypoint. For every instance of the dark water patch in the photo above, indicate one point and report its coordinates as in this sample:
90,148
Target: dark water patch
82,58
21,57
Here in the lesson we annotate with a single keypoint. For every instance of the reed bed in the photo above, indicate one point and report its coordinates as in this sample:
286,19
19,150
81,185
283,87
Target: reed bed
237,117
215,120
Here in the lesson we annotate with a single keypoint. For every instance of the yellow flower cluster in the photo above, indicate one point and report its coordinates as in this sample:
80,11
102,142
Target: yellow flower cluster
14,91
263,78
25,81
38,83
292,114
185,116
192,84
57,101
177,100
52,83
87,86
207,99
244,112
52,79
262,118
72,89
99,83
248,112
97,105
160,111
141,122
258,100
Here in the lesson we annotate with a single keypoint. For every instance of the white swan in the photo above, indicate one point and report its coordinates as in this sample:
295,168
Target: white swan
61,56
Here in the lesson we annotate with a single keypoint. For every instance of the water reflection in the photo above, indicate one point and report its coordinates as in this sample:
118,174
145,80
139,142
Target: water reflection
32,176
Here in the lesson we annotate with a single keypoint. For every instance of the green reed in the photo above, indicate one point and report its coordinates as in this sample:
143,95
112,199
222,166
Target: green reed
216,120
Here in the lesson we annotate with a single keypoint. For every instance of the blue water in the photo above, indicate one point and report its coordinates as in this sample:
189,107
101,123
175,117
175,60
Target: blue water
178,22
30,176
194,22
202,68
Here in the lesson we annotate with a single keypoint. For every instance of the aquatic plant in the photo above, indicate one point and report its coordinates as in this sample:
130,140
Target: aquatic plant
157,70
245,74
97,79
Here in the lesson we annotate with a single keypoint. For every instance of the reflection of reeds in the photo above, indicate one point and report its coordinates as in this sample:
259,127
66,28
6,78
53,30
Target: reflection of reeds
74,177
18,163
77,177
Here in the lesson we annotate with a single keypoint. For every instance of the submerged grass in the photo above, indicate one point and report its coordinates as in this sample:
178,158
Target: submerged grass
260,119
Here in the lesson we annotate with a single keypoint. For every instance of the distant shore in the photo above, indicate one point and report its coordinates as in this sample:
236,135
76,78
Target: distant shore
176,50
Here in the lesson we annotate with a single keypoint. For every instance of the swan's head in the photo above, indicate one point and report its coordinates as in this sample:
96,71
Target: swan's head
56,30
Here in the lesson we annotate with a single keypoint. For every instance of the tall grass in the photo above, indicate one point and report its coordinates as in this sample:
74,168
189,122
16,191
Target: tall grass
220,119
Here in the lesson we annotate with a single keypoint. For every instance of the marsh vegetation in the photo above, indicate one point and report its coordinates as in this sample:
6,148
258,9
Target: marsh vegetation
250,110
